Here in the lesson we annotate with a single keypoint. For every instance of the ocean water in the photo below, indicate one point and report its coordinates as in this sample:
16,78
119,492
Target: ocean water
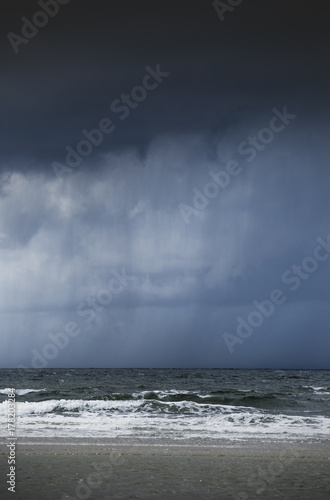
190,406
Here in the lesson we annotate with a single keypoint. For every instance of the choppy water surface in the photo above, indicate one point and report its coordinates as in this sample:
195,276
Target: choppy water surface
193,405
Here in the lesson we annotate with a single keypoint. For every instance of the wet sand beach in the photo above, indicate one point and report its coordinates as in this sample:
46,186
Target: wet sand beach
236,470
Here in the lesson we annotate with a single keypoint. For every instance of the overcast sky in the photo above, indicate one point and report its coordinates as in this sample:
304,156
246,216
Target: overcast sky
182,91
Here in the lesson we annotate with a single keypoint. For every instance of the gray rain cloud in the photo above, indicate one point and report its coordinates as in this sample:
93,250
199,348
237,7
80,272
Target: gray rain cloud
198,204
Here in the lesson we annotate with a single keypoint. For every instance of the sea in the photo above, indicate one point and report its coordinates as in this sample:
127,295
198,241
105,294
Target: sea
183,406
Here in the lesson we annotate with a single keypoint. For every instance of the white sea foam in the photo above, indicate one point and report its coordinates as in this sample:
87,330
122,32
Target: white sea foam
322,390
20,392
142,418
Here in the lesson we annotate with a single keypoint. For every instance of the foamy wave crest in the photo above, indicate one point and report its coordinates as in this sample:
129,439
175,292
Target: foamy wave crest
317,390
20,392
62,406
121,419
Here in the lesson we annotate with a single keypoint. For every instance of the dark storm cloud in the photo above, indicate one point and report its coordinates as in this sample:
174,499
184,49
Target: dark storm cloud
61,237
65,79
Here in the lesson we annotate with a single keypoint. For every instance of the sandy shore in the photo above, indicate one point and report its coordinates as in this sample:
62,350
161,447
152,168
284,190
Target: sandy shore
240,471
